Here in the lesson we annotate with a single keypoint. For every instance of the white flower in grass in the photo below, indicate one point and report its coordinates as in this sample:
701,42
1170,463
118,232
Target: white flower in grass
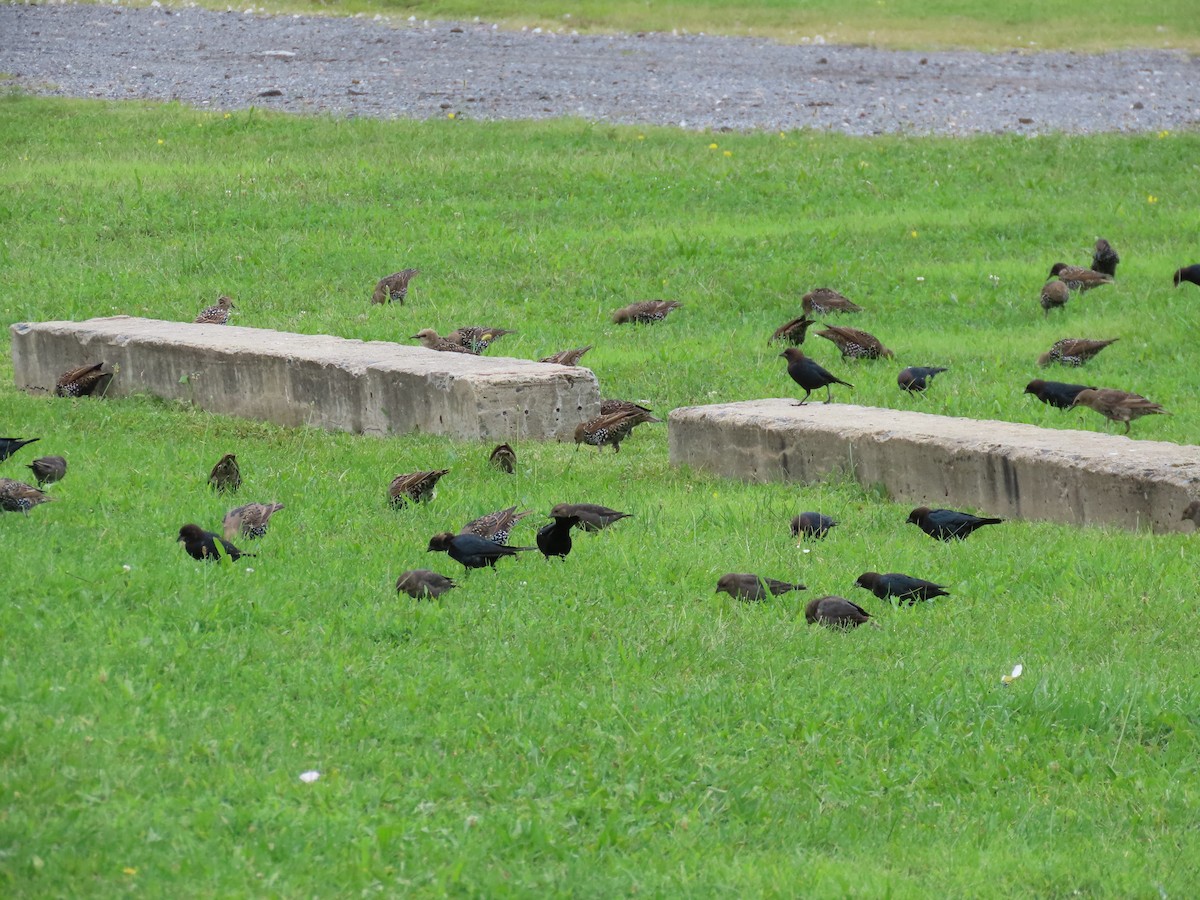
1016,673
310,776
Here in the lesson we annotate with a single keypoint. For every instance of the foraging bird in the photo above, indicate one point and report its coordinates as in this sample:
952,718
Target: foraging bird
914,378
823,301
418,583
902,587
947,524
1078,278
854,343
592,516
504,458
1055,295
431,341
495,526
1073,351
476,338
9,446
1188,273
611,407
216,315
17,496
555,539
1118,406
250,520
1193,512
84,381
1058,394
394,286
811,525
645,311
1104,258
610,429
225,475
748,586
48,469
472,551
201,544
419,487
567,357
793,332
835,612
809,375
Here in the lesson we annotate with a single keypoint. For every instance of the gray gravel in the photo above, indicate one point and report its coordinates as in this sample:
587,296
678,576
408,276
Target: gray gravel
398,68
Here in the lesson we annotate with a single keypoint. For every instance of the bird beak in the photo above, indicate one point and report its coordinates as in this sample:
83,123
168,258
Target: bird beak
784,353
412,337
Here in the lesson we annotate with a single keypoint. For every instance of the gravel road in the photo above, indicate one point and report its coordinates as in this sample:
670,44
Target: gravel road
387,69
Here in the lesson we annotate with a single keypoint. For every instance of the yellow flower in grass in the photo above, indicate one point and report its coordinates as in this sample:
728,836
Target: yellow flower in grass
1151,199
712,146
729,153
912,234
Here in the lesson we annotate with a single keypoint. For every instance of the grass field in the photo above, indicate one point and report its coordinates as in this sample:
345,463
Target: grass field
604,725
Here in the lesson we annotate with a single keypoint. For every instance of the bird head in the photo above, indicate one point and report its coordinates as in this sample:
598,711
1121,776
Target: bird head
190,533
580,433
791,354
915,516
1056,268
440,542
1035,387
867,580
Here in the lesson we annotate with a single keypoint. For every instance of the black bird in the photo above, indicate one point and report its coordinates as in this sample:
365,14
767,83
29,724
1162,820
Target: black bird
9,446
84,381
592,516
809,375
751,587
555,539
1188,273
472,551
811,525
504,458
1104,258
201,544
835,612
902,587
1058,394
418,583
947,524
914,378
225,475
48,469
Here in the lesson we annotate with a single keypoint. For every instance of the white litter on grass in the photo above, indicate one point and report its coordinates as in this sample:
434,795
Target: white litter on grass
310,776
1016,673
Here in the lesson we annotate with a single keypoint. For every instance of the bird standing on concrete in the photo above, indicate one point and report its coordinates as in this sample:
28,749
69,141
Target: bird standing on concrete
555,539
472,551
9,446
592,516
914,378
809,375
811,525
1055,295
393,287
1058,394
751,587
84,381
430,340
902,587
611,429
823,301
855,343
567,357
216,315
418,583
250,520
201,544
1118,406
17,496
1189,274
495,526
835,612
793,332
476,338
947,524
1104,258
48,469
504,458
1078,278
419,487
225,475
1073,351
645,311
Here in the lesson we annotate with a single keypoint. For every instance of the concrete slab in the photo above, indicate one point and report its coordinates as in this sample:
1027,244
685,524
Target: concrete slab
328,382
1001,468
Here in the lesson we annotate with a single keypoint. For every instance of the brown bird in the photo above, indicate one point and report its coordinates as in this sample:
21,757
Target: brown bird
225,475
567,357
823,301
418,583
592,516
610,429
504,458
914,378
16,496
419,487
1118,406
1073,351
835,612
1193,512
48,469
609,407
645,311
855,344
1055,295
811,525
431,341
495,526
793,332
250,520
216,315
476,338
1078,278
1190,274
1104,258
85,381
201,544
394,286
810,375
747,586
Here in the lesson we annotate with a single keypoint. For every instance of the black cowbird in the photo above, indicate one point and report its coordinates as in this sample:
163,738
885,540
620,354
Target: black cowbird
793,332
1057,393
472,551
476,338
1193,512
1104,258
611,429
947,524
1118,406
855,343
1073,351
250,520
394,286
201,544
1078,278
418,583
823,301
419,487
225,475
504,458
748,586
9,446
915,378
430,340
809,375
1055,295
592,516
645,311
811,525
835,612
555,539
495,526
84,381
1188,273
17,496
902,587
566,357
216,315
48,469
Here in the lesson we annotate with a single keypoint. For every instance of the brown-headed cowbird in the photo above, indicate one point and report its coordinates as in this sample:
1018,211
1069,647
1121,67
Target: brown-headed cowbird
418,583
472,551
855,343
476,338
1078,278
823,301
1058,394
1055,295
201,544
1193,512
85,381
1190,274
1118,406
793,332
915,378
17,496
431,341
9,446
504,458
1104,258
645,311
567,357
809,374
811,525
225,475
902,587
555,539
947,524
250,520
394,286
419,487
1073,351
495,526
748,586
592,516
835,612
611,429
216,315
48,469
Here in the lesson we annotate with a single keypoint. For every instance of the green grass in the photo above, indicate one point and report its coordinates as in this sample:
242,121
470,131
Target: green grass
605,725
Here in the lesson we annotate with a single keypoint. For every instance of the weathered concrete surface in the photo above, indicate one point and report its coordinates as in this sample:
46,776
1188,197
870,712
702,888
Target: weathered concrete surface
1002,468
328,382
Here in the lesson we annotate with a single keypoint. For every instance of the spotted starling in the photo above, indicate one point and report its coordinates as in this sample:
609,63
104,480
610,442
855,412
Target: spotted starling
431,341
835,612
9,446
947,524
748,586
394,286
48,469
793,332
555,539
611,407
472,551
16,496
216,315
225,475
495,526
1055,295
85,381
504,458
1078,278
476,338
855,344
811,525
645,311
1188,273
902,587
1105,259
419,487
1057,393
567,357
915,378
592,516
823,301
250,520
809,375
418,583
1118,406
201,544
1073,351
1193,512
610,429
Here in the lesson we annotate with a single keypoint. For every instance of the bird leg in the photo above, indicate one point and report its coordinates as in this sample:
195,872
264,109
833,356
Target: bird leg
807,394
828,394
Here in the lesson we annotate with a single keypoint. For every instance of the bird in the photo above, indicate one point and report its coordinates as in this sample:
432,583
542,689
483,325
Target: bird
495,526
1055,295
225,475
48,469
9,446
645,311
748,586
610,429
1073,351
472,551
902,587
17,496
609,407
855,344
394,286
1188,273
835,612
476,338
418,583
811,525
1193,512
1118,406
915,378
1058,394
201,544
823,301
504,458
592,516
84,381
567,357
419,487
1104,258
216,315
1078,278
793,332
554,539
809,375
431,341
250,520
946,524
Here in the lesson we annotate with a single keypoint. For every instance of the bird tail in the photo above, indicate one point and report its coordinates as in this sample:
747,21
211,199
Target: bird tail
846,383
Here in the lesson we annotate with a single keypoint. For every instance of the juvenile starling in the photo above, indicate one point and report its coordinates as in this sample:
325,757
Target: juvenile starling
1104,258
1188,273
902,587
201,544
1078,278
9,446
592,516
394,286
611,407
915,378
610,429
225,475
947,524
250,520
473,552
855,344
504,458
48,469
793,332
747,586
1058,394
645,311
216,315
809,375
1193,512
431,341
1073,351
1118,406
418,583
16,496
555,539
824,301
476,338
1055,295
835,612
495,526
811,525
419,487
567,357
84,381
